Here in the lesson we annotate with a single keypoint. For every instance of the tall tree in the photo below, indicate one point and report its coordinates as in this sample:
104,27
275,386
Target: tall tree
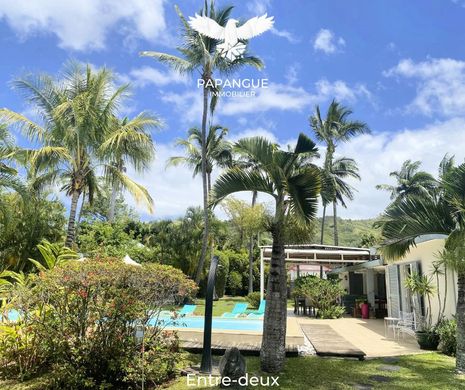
77,112
8,173
218,151
332,130
128,143
441,211
295,189
410,181
341,169
200,53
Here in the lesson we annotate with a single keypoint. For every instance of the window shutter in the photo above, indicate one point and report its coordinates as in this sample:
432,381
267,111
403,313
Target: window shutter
393,291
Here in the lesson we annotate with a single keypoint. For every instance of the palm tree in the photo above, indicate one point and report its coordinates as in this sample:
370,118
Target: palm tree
410,181
8,151
334,129
295,189
440,212
128,143
341,168
218,151
77,113
199,53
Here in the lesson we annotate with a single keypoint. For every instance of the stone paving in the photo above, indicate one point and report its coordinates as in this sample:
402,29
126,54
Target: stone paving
367,335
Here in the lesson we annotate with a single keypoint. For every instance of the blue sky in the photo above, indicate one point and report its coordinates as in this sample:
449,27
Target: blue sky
399,65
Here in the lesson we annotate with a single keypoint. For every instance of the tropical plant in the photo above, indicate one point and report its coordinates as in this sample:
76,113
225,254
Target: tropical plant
334,129
199,53
218,151
52,255
248,221
295,189
442,212
8,174
128,143
447,330
24,223
84,334
410,181
77,112
423,286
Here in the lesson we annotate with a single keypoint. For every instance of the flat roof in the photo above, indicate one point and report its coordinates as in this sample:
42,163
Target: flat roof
322,254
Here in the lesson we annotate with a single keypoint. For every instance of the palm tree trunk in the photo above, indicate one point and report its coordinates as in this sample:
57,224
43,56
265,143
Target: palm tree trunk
445,291
111,211
323,225
336,236
71,231
251,244
273,350
206,215
460,313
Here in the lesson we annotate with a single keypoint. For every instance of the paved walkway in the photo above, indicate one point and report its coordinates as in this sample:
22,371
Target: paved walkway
367,335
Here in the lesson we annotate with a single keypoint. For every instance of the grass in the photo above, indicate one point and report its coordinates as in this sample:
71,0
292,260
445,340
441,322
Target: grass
417,372
221,306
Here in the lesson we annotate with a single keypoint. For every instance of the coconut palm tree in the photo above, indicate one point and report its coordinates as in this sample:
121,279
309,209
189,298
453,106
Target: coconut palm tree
218,151
128,143
199,53
341,168
440,212
334,129
410,181
77,112
8,152
295,189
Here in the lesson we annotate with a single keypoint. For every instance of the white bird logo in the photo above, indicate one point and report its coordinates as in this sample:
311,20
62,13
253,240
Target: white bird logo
232,47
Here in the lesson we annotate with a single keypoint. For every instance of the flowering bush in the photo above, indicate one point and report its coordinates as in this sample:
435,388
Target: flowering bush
83,317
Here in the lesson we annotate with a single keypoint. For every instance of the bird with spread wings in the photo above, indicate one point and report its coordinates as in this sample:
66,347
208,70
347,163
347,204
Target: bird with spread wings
231,34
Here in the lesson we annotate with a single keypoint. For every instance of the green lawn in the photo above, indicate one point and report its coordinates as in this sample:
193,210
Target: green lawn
417,372
221,306
425,371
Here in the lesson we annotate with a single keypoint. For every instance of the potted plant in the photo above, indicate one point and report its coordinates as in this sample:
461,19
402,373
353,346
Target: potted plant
426,333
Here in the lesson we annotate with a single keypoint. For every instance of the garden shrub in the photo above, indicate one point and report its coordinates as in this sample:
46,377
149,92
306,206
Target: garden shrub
82,318
447,330
321,294
254,299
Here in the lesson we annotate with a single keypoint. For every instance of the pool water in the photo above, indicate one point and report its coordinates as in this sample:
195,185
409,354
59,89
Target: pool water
194,322
197,322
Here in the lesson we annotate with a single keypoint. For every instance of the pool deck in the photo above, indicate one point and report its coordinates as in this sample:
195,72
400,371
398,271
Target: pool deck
366,335
245,340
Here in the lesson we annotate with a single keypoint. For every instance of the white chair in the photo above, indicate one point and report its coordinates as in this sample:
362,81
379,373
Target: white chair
406,324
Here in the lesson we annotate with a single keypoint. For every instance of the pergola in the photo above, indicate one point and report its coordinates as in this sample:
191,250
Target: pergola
328,255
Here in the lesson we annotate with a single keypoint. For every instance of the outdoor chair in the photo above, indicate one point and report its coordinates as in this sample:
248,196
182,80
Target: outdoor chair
257,313
239,308
186,310
406,324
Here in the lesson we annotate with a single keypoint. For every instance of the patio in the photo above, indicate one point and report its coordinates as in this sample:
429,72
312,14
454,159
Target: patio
367,335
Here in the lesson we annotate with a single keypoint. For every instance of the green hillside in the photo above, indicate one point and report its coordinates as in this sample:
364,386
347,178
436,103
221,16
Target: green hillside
352,232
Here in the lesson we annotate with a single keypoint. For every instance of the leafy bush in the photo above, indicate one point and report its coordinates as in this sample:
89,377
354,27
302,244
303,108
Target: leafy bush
234,282
78,321
447,330
254,299
331,312
321,294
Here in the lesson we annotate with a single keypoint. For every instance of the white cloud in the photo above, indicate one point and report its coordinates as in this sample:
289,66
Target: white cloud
85,24
285,34
287,97
148,75
188,104
327,42
440,87
379,154
340,90
258,7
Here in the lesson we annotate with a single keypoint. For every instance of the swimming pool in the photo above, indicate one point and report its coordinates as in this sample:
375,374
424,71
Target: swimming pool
197,322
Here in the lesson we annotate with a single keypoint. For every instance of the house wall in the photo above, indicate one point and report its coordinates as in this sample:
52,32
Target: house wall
425,254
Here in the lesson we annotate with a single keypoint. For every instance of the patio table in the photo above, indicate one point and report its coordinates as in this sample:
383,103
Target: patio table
390,322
